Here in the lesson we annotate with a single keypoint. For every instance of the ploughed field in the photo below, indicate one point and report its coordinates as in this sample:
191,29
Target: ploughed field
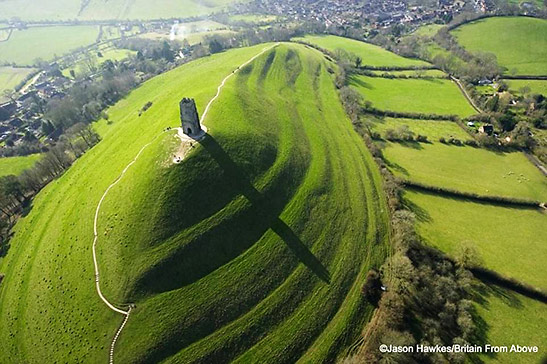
254,248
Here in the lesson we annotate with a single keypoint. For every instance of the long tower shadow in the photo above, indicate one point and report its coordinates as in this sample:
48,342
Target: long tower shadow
237,176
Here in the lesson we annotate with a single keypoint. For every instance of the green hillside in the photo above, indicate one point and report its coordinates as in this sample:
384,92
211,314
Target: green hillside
520,43
371,54
254,248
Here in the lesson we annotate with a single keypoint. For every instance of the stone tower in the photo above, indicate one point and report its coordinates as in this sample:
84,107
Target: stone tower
189,117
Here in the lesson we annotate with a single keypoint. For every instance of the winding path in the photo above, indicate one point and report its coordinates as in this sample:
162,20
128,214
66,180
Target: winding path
116,181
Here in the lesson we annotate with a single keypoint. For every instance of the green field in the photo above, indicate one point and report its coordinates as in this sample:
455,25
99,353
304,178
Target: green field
371,55
253,18
16,165
254,248
428,96
433,129
413,73
113,9
112,54
507,239
25,46
468,169
511,319
428,30
11,77
520,43
533,86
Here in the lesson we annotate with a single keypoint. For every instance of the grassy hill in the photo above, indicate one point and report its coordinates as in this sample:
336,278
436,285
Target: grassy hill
25,46
371,54
16,165
520,43
255,247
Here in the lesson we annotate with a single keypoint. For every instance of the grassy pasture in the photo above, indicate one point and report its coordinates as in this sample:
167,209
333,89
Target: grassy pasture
413,73
428,30
12,76
114,9
520,43
535,86
25,46
372,55
16,165
433,129
430,96
268,235
510,318
468,169
112,54
506,239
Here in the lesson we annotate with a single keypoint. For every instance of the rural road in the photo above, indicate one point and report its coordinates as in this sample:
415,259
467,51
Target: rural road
116,181
464,92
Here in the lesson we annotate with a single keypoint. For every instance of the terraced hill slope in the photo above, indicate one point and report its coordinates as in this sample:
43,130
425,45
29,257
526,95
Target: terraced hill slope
255,247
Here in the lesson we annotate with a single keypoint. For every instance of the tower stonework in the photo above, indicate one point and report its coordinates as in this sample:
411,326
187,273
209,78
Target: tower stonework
189,117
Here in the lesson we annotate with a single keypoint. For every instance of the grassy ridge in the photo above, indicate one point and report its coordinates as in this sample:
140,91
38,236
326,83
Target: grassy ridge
264,279
413,95
16,165
43,299
520,43
171,236
371,54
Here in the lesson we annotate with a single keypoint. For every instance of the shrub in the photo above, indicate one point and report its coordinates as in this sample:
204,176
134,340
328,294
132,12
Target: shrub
421,138
442,140
471,143
372,288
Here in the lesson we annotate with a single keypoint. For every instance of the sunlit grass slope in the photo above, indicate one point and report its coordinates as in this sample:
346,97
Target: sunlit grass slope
372,55
254,248
49,310
520,43
16,165
507,239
